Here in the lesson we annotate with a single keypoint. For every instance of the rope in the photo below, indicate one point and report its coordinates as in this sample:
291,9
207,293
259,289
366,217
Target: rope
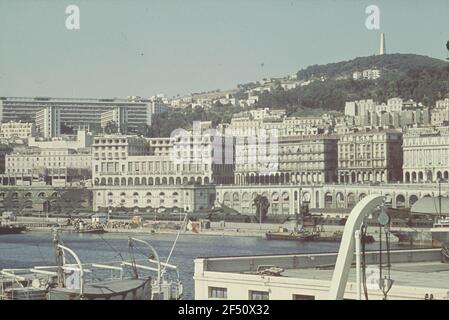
174,243
110,246
132,258
40,253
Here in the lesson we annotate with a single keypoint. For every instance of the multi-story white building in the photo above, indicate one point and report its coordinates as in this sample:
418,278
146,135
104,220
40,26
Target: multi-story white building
159,173
426,154
48,122
17,129
370,156
77,112
130,160
368,74
371,74
55,166
159,104
442,104
359,107
357,75
82,139
396,113
161,146
439,116
293,159
303,126
117,117
260,121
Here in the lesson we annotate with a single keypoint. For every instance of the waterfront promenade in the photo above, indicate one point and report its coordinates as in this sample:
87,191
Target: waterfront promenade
229,229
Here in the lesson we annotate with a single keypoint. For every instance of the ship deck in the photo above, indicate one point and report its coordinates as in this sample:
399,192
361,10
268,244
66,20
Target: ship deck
415,274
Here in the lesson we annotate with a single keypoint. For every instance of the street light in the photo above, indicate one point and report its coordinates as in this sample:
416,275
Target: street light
439,194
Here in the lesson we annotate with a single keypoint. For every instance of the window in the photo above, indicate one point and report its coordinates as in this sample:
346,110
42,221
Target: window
219,293
258,295
303,297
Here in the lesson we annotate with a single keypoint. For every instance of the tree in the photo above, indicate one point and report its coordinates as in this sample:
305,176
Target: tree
66,129
111,127
70,201
262,204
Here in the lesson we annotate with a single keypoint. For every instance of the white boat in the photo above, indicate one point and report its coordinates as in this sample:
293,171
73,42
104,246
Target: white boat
119,280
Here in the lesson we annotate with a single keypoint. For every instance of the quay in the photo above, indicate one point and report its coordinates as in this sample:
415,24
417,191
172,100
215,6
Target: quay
237,229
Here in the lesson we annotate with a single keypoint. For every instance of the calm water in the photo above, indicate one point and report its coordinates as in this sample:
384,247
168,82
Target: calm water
30,249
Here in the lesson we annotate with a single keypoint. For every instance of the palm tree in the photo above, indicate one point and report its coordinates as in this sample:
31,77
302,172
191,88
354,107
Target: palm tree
262,204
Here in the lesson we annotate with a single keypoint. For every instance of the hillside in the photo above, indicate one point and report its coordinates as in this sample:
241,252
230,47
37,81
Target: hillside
397,63
408,76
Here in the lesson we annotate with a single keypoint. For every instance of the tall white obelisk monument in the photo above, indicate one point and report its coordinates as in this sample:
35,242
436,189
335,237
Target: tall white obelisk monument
383,48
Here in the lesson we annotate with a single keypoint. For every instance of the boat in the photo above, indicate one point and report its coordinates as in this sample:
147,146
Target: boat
6,225
11,229
70,279
286,235
309,230
414,237
82,227
97,230
438,234
75,281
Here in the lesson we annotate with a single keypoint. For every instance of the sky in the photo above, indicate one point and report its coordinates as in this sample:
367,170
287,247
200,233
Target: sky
146,47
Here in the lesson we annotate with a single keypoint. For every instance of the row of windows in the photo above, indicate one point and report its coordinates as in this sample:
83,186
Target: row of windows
47,158
148,167
222,293
103,141
377,164
109,147
136,201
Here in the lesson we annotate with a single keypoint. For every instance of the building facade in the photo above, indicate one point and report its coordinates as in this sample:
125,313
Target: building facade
167,198
370,156
17,129
396,113
130,160
77,112
426,154
117,117
289,159
54,166
48,122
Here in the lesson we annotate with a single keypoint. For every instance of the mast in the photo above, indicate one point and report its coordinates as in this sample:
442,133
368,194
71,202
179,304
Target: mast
59,255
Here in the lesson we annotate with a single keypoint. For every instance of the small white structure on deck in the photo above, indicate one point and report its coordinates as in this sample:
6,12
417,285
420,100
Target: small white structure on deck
100,218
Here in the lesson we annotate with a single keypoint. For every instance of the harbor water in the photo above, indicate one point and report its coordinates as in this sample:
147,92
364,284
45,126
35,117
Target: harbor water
36,248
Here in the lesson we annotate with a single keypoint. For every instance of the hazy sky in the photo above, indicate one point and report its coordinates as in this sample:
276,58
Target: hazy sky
138,47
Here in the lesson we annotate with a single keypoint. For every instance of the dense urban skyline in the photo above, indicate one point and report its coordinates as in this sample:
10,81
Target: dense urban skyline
183,47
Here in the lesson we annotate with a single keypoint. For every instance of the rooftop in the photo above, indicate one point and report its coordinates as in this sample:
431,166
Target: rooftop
415,272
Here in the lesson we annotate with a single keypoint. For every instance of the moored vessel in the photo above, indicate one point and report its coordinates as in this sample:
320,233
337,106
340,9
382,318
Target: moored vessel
11,229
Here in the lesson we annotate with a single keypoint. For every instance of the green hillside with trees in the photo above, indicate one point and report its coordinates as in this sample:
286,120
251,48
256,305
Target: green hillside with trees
409,76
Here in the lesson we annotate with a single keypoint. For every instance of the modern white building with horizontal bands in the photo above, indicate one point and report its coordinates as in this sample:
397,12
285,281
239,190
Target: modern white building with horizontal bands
417,274
77,112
